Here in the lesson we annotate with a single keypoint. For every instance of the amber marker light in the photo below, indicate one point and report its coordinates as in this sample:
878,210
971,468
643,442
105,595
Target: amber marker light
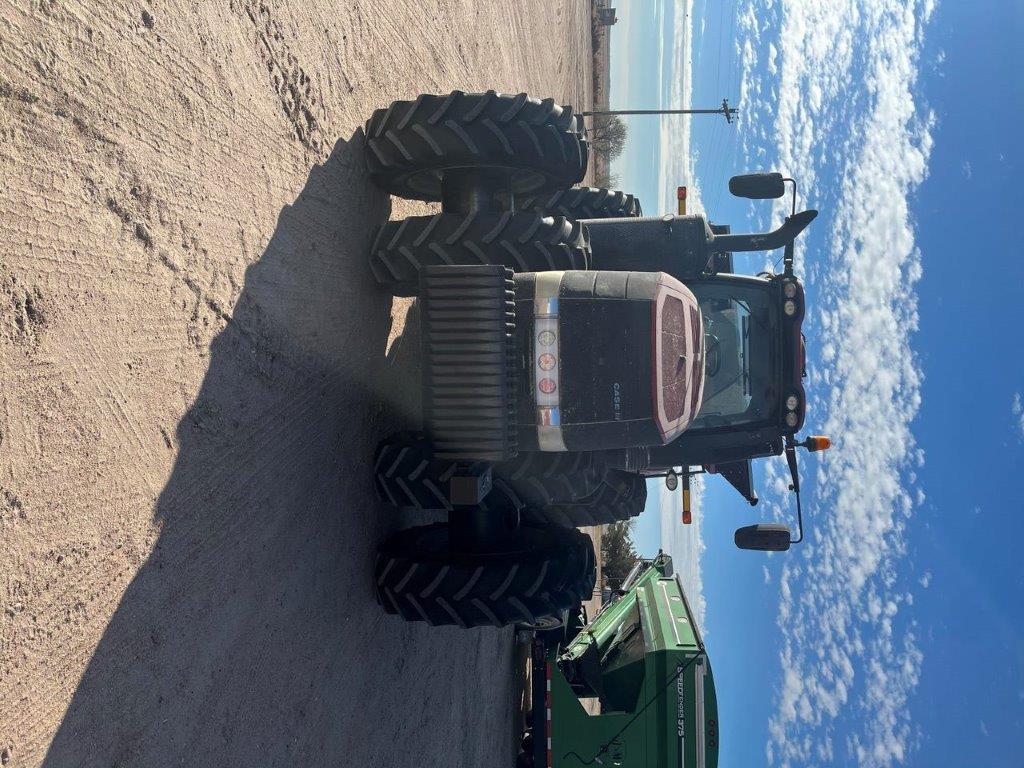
687,514
816,443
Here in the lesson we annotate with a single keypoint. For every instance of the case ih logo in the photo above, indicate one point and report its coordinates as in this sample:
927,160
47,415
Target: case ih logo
617,400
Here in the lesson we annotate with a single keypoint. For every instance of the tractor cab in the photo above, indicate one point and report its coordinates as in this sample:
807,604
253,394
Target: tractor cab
753,372
754,401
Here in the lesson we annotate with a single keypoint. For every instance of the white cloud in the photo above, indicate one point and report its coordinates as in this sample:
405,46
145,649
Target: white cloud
685,543
677,161
847,127
925,580
1017,408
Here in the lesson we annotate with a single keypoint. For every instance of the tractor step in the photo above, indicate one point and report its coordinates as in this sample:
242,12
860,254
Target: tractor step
469,394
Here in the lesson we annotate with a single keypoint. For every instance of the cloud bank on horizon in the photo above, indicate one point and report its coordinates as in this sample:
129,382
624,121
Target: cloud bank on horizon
677,165
685,543
828,95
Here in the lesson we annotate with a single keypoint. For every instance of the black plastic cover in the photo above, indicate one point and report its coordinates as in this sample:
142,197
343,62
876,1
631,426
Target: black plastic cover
468,349
757,186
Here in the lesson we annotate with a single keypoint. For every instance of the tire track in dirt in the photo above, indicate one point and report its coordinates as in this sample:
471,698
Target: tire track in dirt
186,433
300,99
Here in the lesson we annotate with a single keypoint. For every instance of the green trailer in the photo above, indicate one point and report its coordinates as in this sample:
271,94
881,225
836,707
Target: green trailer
632,688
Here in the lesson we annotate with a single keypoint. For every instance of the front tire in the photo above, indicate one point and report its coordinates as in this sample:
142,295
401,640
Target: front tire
583,203
406,475
540,572
523,242
411,144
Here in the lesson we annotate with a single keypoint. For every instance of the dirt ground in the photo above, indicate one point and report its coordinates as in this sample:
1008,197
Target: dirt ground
195,367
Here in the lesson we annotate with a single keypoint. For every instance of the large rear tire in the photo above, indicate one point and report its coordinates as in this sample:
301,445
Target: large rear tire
540,572
410,145
583,203
523,242
621,496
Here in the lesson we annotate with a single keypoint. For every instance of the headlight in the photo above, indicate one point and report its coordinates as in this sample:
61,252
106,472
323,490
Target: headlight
791,419
789,289
792,402
789,308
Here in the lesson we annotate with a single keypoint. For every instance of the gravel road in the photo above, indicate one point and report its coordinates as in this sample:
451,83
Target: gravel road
195,369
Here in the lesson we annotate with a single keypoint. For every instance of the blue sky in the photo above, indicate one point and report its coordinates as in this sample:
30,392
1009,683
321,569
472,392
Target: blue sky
894,635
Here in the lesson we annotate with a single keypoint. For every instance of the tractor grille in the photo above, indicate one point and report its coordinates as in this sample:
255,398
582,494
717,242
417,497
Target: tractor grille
676,364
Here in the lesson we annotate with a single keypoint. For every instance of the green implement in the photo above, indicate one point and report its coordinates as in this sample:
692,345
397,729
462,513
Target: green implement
633,688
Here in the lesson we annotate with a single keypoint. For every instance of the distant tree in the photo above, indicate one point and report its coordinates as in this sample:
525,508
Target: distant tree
607,135
603,177
618,555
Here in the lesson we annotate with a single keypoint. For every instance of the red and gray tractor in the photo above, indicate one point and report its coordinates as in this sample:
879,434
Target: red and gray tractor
570,349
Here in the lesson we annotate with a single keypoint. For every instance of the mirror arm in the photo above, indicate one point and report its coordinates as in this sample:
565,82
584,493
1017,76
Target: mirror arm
799,521
793,182
795,487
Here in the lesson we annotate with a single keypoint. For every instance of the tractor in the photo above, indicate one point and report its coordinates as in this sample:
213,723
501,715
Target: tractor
570,348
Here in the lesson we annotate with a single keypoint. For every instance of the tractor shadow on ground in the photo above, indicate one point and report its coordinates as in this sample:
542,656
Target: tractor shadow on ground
251,636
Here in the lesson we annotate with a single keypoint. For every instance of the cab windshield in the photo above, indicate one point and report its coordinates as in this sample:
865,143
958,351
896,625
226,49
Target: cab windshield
739,382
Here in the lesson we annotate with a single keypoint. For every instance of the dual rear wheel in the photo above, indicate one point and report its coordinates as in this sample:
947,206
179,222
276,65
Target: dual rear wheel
538,571
504,168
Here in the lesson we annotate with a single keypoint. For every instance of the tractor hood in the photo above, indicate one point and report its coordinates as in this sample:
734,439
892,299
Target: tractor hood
610,359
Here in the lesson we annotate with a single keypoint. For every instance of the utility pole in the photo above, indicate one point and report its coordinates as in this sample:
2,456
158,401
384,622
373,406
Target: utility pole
725,110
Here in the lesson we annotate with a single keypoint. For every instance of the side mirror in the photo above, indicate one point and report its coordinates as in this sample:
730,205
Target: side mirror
757,186
765,537
672,480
